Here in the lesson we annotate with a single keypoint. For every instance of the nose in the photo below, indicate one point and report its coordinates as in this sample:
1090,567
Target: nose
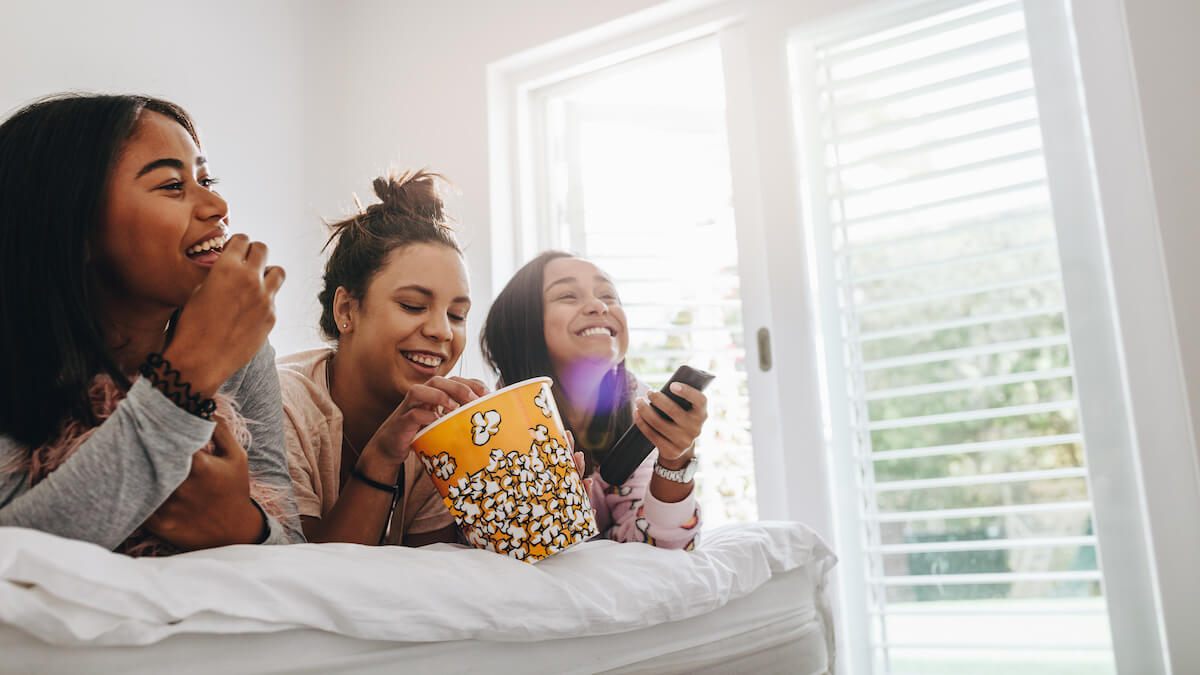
595,305
437,327
211,206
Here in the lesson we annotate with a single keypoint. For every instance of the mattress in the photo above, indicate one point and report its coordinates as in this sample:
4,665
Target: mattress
751,598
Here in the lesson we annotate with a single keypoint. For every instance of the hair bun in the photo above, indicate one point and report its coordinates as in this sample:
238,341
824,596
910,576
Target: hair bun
411,193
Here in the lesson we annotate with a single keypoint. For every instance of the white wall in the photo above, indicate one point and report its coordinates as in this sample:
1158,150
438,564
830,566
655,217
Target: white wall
405,83
1166,58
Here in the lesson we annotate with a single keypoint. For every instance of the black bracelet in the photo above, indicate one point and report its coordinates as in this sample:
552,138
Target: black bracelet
169,383
390,489
387,524
266,533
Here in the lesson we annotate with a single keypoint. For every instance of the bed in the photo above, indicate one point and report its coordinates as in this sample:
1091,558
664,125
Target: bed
751,598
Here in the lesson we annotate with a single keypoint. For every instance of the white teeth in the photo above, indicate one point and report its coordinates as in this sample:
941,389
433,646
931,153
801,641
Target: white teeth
424,359
216,242
596,331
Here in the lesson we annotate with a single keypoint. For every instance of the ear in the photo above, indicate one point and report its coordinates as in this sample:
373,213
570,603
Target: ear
345,310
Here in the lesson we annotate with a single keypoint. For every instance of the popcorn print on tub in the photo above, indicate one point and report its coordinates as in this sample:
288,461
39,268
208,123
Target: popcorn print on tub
504,471
542,401
548,513
443,466
484,425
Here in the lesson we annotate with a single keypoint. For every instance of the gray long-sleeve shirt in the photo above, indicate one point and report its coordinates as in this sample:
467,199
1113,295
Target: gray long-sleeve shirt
138,456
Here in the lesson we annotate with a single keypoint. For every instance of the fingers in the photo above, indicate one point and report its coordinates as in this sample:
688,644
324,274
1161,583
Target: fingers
426,396
475,385
665,436
579,463
223,440
235,248
690,394
227,456
570,441
256,255
422,416
688,418
273,279
456,388
680,428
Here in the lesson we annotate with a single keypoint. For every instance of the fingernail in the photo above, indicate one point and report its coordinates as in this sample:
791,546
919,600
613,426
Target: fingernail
677,388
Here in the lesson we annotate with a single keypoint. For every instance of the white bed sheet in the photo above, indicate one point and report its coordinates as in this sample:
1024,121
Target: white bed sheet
751,599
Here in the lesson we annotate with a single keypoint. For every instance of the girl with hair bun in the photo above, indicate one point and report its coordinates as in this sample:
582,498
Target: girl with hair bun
394,305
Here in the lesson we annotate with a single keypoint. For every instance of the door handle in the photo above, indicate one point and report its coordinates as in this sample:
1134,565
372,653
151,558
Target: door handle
764,349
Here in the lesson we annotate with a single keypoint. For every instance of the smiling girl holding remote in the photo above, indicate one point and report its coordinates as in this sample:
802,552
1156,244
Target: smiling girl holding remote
560,316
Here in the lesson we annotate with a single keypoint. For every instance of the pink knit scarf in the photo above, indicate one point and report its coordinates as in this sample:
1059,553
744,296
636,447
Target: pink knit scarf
104,396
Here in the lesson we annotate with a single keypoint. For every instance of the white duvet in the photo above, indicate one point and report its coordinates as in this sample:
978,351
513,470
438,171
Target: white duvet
71,593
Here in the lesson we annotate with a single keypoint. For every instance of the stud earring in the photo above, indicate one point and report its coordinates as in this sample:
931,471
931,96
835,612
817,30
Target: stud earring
345,325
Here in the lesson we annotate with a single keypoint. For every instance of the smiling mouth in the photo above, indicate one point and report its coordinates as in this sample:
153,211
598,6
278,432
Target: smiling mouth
214,245
598,330
427,360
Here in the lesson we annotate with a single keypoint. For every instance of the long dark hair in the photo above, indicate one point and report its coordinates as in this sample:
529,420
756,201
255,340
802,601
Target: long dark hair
411,212
56,157
513,342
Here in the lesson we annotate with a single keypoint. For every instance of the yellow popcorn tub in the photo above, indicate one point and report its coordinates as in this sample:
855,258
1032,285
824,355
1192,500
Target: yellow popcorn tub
504,470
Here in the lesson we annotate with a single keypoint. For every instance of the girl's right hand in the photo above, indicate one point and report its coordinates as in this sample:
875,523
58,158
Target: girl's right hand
227,319
393,439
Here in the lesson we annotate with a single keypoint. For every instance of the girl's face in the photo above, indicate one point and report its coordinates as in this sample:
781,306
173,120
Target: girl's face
160,212
412,321
582,315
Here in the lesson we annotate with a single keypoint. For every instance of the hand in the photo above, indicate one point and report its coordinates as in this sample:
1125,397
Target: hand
673,438
212,506
393,439
227,319
579,466
580,463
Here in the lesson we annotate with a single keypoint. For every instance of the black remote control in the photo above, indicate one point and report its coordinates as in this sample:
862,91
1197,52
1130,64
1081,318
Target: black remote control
632,448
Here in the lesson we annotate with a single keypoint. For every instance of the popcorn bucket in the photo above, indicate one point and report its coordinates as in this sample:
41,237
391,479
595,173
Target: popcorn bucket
503,468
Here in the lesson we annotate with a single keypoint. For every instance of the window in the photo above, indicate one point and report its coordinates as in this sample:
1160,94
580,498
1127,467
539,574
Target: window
949,363
635,176
902,194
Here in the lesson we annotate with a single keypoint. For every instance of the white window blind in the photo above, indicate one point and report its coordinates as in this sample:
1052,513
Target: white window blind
634,174
947,342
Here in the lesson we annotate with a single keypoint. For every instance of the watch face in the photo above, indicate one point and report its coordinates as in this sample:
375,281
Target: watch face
690,470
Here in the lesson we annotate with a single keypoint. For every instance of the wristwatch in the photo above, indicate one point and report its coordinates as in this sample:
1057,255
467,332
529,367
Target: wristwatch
683,475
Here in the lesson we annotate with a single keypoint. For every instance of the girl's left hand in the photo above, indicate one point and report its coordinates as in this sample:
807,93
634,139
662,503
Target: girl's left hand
674,437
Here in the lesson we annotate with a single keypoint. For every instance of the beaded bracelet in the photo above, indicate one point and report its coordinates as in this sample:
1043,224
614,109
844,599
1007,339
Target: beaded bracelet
169,383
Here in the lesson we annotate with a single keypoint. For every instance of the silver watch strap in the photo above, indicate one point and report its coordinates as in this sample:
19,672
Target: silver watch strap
682,475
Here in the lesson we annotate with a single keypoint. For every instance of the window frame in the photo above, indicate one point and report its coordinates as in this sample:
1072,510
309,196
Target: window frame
793,464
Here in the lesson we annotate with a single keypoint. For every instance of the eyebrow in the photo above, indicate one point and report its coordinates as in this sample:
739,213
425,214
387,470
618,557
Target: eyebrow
428,293
170,163
571,280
